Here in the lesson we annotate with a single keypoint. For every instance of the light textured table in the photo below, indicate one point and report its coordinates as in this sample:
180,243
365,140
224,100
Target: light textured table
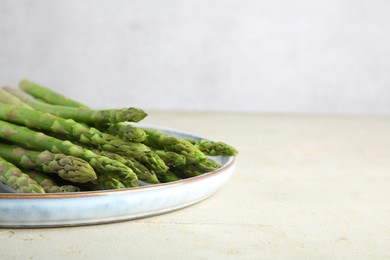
305,187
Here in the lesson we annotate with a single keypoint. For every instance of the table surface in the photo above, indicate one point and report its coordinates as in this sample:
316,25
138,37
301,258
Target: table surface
305,187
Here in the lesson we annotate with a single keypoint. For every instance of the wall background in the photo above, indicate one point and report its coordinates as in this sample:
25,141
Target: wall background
230,55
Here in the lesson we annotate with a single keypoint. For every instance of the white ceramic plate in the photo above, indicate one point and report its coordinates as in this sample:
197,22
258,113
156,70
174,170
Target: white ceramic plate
85,208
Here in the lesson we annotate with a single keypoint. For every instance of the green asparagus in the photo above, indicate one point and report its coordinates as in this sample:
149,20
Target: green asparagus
83,114
41,141
168,177
49,184
13,177
126,131
215,148
82,133
67,167
125,153
171,159
47,94
123,130
196,169
164,141
142,172
7,98
105,182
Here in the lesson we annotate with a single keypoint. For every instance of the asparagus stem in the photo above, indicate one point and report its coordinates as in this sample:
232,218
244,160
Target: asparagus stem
7,98
41,141
168,177
106,182
82,133
164,141
215,148
125,131
142,172
49,184
47,94
171,159
13,177
67,167
196,169
83,114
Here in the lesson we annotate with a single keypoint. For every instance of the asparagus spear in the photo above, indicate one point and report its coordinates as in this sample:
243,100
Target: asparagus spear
82,133
171,159
47,94
95,137
164,141
215,148
105,182
7,98
142,172
49,184
125,131
168,177
196,169
67,167
41,141
83,114
12,176
207,165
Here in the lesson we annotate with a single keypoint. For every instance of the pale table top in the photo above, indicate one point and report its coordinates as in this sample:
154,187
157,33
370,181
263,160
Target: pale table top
305,187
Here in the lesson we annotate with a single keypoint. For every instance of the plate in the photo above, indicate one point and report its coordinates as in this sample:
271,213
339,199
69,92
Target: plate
98,207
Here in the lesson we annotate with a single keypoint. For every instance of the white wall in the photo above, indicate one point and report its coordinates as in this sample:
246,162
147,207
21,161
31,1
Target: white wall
235,55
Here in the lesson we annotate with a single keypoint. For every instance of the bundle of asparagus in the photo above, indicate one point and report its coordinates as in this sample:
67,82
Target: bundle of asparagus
51,143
